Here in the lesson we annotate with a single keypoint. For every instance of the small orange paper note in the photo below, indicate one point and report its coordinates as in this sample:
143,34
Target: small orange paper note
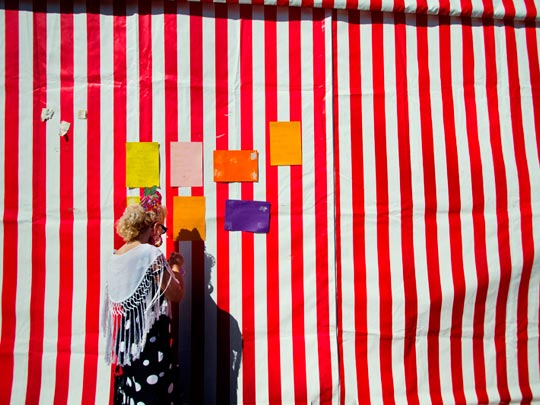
142,164
236,165
285,143
189,222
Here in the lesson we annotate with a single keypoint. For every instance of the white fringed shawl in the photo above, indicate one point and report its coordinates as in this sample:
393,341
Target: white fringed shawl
132,301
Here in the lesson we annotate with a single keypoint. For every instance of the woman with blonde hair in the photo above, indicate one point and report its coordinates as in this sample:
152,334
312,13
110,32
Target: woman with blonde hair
140,283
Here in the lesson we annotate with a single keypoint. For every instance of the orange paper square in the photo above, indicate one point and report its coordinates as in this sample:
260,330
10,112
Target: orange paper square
236,165
189,222
285,143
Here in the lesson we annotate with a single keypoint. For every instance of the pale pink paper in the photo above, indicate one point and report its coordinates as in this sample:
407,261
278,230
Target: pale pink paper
186,164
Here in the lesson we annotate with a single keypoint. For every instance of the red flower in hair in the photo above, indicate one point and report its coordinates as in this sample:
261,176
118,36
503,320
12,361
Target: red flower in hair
151,200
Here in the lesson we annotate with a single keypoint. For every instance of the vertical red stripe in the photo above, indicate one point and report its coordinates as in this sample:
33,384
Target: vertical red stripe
93,203
198,279
531,11
328,4
224,388
406,198
444,7
454,208
196,77
478,207
170,57
383,225
296,217
375,5
527,236
272,240
399,6
421,7
337,193
11,199
248,259
466,8
171,102
430,217
509,9
488,8
320,117
120,117
65,299
501,192
351,4
358,208
145,71
37,294
120,111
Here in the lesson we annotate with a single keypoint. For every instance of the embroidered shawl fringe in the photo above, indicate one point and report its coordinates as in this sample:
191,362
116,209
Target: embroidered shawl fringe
127,323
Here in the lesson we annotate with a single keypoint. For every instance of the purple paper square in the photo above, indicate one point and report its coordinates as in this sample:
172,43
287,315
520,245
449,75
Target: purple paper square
249,216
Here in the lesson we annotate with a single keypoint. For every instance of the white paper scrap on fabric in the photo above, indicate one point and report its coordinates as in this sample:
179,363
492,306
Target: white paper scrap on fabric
46,114
64,127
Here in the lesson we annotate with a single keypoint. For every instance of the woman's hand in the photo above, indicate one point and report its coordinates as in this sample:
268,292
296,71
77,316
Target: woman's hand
176,259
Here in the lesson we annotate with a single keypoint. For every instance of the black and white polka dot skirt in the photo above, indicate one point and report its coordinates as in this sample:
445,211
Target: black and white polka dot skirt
149,379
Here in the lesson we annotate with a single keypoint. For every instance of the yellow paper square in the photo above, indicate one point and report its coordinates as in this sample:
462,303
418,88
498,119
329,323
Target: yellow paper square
133,200
142,164
285,143
189,222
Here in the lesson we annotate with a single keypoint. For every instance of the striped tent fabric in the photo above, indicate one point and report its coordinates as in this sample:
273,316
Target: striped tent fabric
402,262
437,187
498,9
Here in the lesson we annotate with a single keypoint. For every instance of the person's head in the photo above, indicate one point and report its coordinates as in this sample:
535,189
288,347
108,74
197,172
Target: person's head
144,222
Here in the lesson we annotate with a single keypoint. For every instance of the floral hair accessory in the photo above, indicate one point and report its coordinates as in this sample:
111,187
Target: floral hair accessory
151,200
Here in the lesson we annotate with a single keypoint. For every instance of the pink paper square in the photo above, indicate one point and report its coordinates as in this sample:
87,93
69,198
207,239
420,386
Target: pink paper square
186,164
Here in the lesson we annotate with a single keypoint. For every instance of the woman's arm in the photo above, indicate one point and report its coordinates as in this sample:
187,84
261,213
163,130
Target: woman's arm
172,283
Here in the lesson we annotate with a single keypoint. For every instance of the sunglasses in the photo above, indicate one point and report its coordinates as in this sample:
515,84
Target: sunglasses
163,228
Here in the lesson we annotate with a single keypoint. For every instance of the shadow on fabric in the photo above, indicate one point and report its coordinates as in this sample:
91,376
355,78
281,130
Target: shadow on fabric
207,338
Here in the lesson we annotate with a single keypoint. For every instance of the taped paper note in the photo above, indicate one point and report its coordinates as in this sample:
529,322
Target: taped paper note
46,114
133,200
236,165
249,216
142,164
285,143
186,164
189,222
64,127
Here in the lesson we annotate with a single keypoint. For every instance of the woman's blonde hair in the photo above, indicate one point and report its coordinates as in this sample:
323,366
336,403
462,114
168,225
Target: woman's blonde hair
136,220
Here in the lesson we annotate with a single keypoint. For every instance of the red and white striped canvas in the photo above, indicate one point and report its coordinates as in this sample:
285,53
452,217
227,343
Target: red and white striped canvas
402,261
437,180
